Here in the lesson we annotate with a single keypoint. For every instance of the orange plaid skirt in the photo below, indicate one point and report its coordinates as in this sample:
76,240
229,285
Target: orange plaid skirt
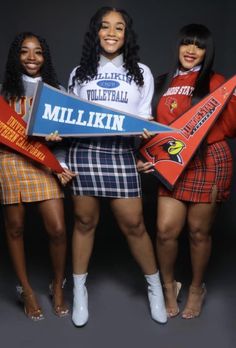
197,182
22,180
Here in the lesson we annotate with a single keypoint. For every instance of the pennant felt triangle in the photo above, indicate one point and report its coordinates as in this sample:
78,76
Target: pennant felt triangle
13,135
171,152
53,109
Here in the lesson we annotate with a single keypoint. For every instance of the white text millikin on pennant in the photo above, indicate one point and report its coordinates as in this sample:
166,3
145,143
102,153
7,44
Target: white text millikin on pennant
90,119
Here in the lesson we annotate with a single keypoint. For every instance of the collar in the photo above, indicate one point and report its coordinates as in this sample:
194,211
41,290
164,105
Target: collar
28,78
185,72
117,61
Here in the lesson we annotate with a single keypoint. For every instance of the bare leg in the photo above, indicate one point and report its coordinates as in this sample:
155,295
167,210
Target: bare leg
200,219
128,213
14,225
52,212
86,211
171,217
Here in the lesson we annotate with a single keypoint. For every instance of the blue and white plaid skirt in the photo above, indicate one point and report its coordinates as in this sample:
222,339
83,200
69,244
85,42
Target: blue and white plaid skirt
103,174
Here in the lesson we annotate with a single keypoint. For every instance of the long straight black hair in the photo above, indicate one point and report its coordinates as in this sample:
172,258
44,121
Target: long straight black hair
201,36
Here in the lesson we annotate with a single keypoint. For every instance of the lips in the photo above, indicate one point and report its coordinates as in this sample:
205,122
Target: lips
111,41
31,65
189,58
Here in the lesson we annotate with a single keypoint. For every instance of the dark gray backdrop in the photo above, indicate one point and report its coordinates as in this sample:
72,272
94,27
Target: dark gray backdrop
63,24
118,307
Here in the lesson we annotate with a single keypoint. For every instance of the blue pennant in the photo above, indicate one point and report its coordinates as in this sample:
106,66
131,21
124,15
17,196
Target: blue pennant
53,109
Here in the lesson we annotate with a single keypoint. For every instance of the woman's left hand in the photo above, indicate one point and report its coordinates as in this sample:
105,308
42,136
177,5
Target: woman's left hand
147,135
144,167
54,136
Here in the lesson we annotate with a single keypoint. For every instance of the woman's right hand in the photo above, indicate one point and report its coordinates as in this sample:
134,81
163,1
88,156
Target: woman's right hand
66,176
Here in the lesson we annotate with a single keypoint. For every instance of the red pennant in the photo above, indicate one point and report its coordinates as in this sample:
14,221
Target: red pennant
171,152
12,134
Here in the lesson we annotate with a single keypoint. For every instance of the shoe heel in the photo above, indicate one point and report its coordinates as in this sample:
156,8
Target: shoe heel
178,292
22,298
58,310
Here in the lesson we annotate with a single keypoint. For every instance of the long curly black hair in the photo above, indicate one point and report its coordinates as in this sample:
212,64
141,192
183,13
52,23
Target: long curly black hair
12,86
91,49
201,36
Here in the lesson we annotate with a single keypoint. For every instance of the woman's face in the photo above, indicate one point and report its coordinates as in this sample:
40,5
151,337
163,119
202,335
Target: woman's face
31,56
112,34
190,55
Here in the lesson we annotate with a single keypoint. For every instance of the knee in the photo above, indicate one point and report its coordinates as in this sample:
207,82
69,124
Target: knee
57,233
198,234
85,224
14,230
134,227
167,232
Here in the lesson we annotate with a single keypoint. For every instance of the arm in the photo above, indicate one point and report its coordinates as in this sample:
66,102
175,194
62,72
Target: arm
74,89
227,121
226,124
60,152
147,91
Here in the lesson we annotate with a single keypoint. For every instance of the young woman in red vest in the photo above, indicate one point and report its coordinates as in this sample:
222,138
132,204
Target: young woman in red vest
206,181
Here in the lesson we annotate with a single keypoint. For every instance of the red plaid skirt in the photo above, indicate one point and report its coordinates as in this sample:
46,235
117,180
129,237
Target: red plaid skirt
199,178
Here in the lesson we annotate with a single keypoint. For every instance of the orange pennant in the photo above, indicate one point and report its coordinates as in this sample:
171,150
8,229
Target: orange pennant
12,134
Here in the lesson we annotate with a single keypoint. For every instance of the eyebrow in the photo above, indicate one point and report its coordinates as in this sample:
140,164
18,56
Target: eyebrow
115,23
37,47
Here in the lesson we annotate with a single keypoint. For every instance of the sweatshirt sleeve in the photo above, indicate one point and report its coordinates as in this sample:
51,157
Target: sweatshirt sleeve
60,151
227,120
225,126
72,90
146,92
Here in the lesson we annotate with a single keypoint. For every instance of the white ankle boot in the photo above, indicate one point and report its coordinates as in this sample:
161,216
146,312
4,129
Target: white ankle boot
80,303
156,298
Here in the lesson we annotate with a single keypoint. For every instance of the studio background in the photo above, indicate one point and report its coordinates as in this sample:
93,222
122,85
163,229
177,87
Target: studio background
118,307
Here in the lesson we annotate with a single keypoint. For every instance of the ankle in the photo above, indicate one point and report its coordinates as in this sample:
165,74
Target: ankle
169,285
198,290
26,289
153,279
58,283
79,280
